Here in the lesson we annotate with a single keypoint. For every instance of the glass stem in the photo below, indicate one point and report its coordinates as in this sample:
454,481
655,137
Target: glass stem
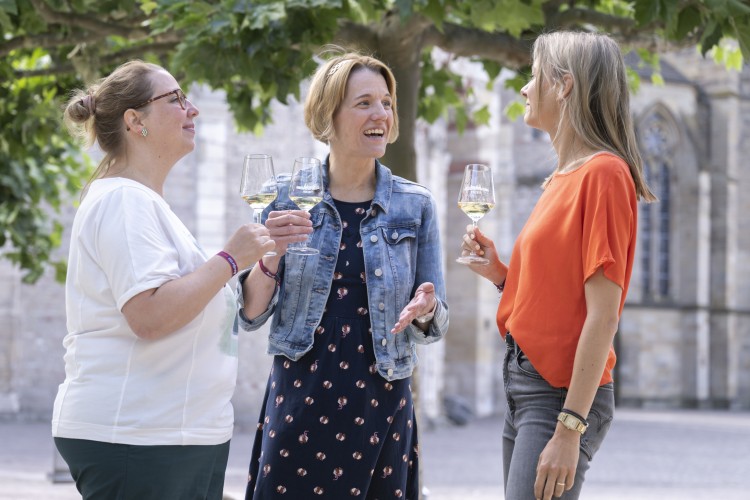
474,227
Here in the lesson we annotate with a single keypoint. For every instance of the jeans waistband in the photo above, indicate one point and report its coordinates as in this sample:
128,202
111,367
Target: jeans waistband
511,343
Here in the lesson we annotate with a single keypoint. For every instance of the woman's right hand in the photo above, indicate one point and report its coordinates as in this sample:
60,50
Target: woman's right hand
288,226
248,244
483,246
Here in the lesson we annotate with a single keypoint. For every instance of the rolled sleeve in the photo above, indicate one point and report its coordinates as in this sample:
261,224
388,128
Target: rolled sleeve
245,323
437,329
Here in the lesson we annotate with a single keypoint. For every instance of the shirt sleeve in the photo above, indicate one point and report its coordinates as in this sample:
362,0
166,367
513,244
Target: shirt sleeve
133,243
608,222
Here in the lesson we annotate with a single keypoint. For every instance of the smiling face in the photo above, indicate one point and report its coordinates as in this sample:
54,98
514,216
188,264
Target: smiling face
169,126
364,119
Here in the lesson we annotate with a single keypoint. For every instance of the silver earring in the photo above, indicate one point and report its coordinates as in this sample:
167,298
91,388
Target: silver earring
144,132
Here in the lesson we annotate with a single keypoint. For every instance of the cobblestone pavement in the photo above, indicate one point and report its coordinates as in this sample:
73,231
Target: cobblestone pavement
648,455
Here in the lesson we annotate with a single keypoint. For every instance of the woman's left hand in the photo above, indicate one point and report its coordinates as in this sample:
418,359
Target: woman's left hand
556,468
423,302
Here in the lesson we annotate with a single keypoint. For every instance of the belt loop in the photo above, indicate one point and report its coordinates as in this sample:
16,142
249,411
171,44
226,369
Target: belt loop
510,343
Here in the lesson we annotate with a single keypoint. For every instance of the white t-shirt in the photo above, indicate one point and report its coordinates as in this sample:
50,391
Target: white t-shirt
119,388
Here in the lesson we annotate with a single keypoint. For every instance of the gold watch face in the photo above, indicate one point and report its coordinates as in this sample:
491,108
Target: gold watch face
571,422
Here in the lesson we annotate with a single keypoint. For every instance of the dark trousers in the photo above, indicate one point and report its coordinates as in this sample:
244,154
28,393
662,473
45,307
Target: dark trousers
111,471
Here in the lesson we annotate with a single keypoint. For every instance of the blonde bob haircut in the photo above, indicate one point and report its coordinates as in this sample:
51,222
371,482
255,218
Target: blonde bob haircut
598,107
328,89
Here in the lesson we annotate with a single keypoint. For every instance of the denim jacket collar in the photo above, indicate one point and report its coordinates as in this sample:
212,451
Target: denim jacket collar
383,185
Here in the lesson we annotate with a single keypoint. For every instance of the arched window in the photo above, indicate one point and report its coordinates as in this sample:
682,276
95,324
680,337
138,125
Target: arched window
657,139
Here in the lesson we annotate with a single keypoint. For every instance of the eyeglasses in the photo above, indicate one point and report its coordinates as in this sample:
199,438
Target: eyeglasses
181,98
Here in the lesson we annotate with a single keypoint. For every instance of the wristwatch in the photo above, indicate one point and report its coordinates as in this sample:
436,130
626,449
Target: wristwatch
572,422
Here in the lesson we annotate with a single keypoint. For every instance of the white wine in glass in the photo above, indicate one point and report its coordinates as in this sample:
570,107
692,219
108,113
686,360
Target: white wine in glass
258,186
477,197
305,190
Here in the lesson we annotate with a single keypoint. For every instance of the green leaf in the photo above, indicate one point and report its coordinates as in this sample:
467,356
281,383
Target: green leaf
711,37
148,7
515,110
657,79
647,11
435,11
481,116
688,19
9,6
742,32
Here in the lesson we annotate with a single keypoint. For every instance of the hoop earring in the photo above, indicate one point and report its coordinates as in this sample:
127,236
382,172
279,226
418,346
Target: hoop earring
144,132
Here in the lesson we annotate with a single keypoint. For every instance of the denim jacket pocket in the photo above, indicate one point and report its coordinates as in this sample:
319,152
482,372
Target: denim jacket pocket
401,245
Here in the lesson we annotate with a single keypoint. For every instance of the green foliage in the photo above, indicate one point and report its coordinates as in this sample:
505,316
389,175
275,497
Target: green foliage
38,168
259,51
447,95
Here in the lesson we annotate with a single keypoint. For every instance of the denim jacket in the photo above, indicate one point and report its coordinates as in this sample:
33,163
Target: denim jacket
401,245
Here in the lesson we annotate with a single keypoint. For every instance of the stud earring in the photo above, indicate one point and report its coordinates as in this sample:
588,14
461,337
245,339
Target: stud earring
144,132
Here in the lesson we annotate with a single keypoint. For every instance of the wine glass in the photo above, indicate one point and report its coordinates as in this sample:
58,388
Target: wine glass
305,190
258,185
477,197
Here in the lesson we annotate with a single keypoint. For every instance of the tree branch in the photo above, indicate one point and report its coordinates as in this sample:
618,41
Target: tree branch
354,34
86,22
108,59
576,17
466,42
45,41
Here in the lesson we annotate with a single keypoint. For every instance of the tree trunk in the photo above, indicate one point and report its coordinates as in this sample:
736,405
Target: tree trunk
400,47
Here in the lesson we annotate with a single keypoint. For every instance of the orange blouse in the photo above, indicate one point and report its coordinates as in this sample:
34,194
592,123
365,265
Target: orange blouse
585,219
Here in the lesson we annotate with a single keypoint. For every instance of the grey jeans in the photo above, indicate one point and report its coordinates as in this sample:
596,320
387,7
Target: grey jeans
530,420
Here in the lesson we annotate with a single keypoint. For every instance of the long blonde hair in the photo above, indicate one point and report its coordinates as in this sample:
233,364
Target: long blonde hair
598,106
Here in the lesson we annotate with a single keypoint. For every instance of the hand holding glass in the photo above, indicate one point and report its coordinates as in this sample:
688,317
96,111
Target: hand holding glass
477,197
305,190
258,186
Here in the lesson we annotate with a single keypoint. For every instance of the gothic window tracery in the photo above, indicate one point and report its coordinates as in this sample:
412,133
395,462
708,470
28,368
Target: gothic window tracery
657,140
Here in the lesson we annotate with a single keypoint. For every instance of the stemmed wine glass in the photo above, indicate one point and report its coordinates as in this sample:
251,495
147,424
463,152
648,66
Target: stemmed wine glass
258,186
477,197
305,190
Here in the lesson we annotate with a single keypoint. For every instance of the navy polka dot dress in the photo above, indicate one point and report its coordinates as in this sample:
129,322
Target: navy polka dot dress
331,427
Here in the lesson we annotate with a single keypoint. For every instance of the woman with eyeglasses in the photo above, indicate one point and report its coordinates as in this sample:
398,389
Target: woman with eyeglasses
151,353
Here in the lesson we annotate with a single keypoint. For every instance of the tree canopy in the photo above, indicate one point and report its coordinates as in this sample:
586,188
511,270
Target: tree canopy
259,51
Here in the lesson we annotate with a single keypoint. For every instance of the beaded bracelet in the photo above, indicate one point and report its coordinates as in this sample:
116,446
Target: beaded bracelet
264,269
230,259
500,287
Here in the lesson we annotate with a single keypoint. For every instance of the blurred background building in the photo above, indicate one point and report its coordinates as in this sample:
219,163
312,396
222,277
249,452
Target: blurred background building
684,337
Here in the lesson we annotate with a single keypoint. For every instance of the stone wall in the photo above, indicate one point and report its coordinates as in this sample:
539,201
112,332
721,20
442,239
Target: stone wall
690,348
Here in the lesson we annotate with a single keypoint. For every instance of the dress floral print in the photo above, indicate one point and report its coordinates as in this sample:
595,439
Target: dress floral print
331,427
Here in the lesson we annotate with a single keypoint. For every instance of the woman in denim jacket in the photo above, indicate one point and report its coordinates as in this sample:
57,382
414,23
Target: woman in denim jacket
338,419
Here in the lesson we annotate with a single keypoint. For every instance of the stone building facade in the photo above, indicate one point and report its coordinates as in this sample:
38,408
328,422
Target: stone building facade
684,337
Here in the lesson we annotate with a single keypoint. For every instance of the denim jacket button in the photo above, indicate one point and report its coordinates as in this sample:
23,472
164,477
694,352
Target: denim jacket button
378,272
390,372
373,212
381,306
374,238
394,235
384,342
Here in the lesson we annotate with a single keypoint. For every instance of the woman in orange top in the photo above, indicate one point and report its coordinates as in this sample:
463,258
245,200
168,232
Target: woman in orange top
566,282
